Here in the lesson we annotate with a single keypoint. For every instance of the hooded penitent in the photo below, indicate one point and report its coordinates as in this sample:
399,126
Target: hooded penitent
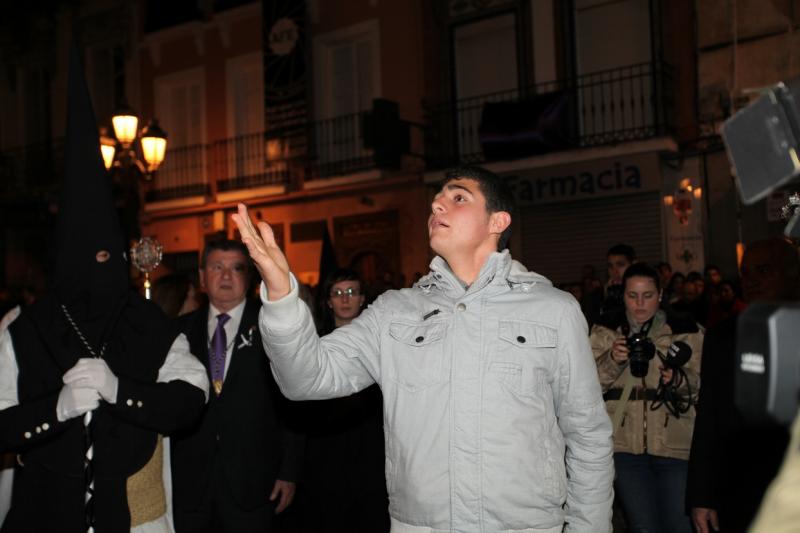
90,270
88,311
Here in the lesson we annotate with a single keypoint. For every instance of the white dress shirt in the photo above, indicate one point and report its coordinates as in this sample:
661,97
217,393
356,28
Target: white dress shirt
231,327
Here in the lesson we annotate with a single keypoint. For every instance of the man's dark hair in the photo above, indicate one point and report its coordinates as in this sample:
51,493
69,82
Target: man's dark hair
709,268
225,245
693,276
228,245
494,189
170,291
341,274
642,270
623,249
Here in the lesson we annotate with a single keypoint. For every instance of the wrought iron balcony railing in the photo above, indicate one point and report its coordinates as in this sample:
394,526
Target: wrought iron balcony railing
313,151
622,104
607,107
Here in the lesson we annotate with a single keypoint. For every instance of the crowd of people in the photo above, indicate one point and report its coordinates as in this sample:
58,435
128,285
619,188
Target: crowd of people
409,414
707,298
673,459
479,399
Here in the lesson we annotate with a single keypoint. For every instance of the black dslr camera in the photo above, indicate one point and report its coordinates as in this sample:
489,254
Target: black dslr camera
642,350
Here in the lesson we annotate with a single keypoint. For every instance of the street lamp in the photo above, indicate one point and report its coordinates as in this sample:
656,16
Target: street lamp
118,146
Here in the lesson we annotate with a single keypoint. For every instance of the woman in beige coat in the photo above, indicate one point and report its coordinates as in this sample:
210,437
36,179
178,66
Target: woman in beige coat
653,433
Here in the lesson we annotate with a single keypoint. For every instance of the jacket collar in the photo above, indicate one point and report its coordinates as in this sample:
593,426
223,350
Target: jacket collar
499,272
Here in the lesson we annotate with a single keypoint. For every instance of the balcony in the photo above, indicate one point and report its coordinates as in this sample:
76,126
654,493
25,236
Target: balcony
313,151
601,108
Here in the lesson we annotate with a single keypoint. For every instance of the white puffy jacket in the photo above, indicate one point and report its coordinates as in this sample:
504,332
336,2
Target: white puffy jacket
493,415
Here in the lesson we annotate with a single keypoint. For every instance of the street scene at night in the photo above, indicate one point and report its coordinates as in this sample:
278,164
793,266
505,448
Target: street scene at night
408,266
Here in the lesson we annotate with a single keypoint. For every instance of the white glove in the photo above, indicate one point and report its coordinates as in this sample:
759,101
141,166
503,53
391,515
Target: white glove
74,402
93,373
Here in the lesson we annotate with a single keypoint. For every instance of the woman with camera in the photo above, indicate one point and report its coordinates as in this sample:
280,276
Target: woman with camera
649,366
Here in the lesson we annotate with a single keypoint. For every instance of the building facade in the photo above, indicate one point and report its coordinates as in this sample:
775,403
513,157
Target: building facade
341,117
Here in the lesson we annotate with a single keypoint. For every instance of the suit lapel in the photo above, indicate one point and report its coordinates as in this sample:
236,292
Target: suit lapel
198,336
247,331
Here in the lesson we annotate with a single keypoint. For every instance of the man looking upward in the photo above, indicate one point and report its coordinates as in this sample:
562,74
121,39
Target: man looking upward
493,415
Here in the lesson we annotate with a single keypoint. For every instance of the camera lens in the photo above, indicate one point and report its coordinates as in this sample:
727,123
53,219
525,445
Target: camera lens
642,350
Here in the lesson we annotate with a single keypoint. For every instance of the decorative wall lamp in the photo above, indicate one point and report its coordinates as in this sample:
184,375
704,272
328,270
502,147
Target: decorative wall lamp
681,201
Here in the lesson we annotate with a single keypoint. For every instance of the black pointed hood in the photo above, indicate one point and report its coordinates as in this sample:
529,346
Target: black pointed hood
88,224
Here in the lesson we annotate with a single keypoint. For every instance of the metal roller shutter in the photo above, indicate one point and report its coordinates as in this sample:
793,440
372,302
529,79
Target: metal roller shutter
559,239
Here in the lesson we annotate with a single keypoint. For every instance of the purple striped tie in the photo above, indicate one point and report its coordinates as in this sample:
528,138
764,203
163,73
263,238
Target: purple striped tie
219,344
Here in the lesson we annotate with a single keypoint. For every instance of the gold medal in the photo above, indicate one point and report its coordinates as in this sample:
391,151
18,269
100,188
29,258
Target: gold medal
218,386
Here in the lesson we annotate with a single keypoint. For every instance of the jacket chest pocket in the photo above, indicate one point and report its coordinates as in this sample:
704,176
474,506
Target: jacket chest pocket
417,354
523,353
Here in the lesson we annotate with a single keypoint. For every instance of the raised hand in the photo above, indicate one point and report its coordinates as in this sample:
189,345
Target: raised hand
267,256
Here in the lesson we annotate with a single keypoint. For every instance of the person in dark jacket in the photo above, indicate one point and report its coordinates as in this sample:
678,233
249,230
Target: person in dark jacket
345,460
612,309
237,467
731,464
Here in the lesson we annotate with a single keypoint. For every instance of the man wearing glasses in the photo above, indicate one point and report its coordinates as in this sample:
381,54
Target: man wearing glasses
493,415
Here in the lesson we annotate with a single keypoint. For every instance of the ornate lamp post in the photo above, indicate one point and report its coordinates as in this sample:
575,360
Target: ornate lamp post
121,149
130,154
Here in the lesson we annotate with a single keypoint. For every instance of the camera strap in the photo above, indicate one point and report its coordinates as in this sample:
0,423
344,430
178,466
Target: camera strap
619,413
644,329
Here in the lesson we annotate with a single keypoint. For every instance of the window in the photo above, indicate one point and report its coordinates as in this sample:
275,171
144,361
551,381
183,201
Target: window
346,64
347,79
492,44
614,68
180,108
485,71
598,46
245,95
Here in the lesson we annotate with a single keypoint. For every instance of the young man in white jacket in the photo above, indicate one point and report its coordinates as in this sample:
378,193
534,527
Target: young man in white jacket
493,414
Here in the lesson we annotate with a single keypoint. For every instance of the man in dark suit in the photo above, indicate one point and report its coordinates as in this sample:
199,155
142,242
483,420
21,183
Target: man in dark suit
235,469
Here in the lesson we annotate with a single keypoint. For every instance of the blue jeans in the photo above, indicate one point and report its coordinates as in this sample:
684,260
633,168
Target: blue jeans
652,490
